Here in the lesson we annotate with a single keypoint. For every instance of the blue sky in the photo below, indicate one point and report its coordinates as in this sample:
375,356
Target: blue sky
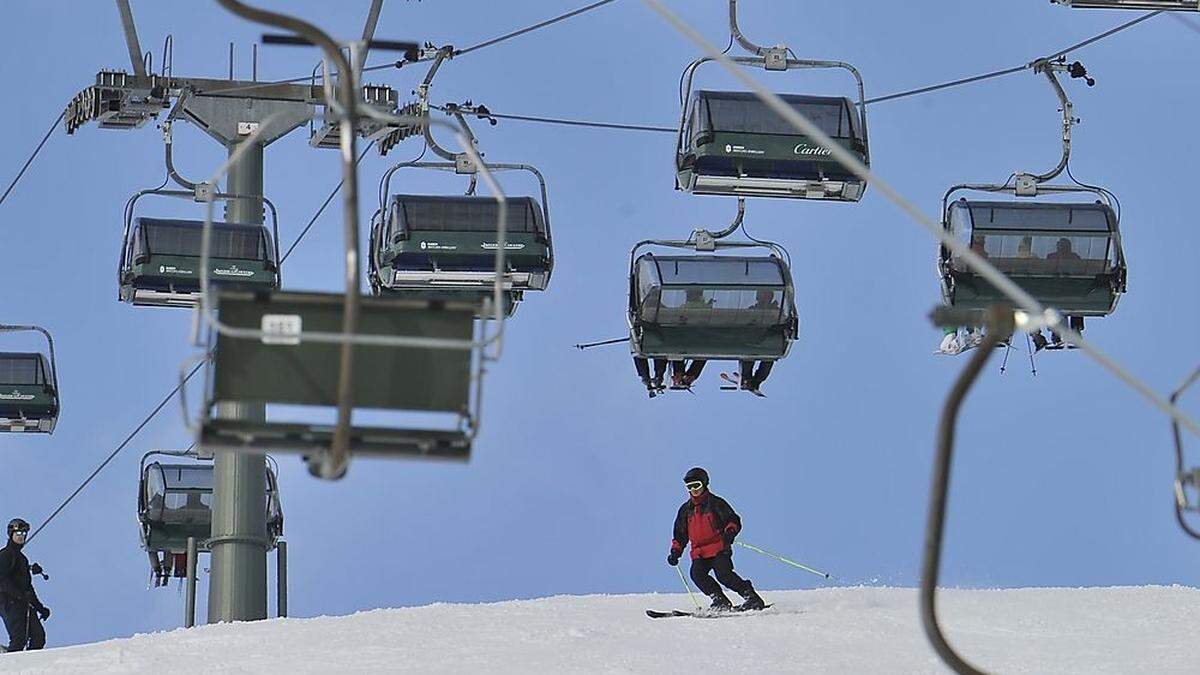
1061,479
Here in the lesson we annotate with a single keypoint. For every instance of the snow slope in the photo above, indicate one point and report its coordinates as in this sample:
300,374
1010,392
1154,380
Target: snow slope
841,630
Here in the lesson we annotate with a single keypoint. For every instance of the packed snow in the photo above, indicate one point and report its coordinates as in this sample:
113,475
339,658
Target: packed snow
838,630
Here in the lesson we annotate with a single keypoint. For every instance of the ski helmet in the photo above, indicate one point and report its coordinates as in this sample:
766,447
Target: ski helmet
17,524
696,473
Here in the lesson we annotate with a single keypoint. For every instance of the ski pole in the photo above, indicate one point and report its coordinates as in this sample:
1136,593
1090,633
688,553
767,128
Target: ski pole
686,586
782,559
588,345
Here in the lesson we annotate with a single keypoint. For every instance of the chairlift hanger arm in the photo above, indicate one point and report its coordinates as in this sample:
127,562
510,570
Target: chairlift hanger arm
1048,68
737,222
742,39
168,149
443,53
1000,326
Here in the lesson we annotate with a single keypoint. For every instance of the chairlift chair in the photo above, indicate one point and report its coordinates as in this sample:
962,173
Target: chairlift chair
1067,255
160,258
29,394
711,306
732,143
175,503
295,371
442,247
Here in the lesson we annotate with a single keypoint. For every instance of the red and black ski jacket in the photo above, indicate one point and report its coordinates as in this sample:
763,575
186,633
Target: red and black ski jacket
705,522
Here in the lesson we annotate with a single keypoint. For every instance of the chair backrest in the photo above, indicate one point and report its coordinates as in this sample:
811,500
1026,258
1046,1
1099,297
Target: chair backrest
391,378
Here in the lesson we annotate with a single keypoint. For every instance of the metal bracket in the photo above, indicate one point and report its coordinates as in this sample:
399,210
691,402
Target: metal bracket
1027,185
775,58
204,192
464,164
704,240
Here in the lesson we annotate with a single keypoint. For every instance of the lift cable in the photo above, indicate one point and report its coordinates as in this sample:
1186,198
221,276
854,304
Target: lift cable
1016,69
534,27
36,150
567,122
878,99
405,62
647,127
112,455
321,210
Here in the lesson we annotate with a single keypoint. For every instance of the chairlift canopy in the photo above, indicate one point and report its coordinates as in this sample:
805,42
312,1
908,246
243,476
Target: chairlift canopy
449,242
734,144
1067,255
161,260
711,307
175,502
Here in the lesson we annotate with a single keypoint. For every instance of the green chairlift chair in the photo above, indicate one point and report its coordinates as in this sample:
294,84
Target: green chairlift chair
287,369
717,306
442,247
29,394
160,258
732,143
175,503
1067,255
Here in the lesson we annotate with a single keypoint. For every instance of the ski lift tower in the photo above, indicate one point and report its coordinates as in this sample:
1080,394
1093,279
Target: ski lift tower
229,111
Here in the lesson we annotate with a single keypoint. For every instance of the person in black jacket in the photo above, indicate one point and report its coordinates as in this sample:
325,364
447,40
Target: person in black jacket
20,608
710,524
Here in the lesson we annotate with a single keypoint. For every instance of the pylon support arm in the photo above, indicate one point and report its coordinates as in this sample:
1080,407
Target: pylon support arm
131,37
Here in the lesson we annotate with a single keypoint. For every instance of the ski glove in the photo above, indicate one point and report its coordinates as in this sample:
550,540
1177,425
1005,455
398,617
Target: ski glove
43,612
673,559
729,536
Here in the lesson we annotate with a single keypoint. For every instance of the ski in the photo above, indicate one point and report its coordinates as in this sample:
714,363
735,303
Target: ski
655,614
702,614
735,384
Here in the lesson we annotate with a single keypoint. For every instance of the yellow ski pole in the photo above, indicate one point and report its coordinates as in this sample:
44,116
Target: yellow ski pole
688,587
782,559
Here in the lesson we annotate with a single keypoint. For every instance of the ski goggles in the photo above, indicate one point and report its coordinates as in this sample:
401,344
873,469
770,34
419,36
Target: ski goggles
694,486
20,533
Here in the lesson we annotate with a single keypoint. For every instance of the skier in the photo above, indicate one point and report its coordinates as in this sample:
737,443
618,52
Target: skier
20,608
710,524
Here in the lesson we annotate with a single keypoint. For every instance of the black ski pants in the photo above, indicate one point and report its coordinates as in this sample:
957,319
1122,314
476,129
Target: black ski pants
24,627
722,565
